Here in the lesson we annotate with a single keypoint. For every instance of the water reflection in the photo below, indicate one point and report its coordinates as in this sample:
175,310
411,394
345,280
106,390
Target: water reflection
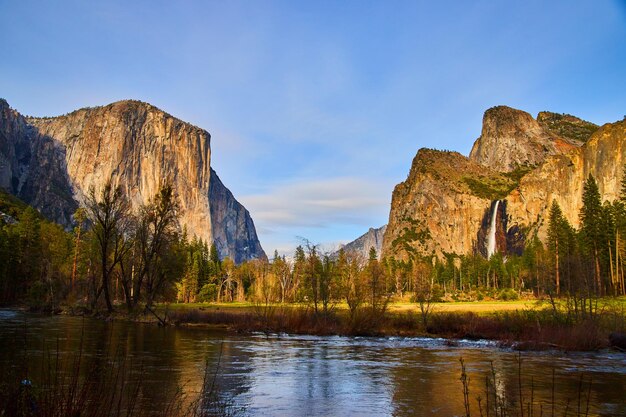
313,376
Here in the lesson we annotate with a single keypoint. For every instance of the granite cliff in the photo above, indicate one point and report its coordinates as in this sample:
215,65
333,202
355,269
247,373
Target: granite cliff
442,205
501,194
234,234
52,162
561,178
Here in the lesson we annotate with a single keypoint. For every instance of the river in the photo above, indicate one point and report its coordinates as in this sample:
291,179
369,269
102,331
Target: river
294,375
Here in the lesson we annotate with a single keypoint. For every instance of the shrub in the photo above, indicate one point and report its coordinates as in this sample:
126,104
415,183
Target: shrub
37,294
207,293
508,294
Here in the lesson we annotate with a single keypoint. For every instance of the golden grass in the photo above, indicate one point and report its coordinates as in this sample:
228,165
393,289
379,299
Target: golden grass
399,307
478,307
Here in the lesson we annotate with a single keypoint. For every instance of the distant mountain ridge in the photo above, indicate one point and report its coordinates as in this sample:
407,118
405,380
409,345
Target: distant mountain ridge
51,163
373,238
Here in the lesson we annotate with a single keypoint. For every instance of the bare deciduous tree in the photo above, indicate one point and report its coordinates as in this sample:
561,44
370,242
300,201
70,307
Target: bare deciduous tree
156,232
110,215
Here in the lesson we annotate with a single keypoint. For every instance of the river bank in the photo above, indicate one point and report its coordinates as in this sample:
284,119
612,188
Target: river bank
518,329
520,325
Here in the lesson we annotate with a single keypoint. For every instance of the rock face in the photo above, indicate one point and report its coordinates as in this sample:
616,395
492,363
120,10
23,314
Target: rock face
233,230
436,211
33,167
511,139
51,163
447,204
373,238
562,177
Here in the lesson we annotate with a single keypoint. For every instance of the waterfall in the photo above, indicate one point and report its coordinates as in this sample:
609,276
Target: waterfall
491,239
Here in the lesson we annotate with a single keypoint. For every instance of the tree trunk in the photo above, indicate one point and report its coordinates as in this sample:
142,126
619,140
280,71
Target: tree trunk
107,297
613,283
556,265
620,288
597,272
105,277
76,250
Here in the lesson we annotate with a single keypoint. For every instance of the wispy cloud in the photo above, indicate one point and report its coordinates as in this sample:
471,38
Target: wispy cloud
319,203
328,211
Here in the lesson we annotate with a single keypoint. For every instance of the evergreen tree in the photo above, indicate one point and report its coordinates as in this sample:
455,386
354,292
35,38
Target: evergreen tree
327,280
591,222
80,216
378,296
555,234
28,230
312,274
622,195
562,247
299,266
615,224
619,211
214,256
533,261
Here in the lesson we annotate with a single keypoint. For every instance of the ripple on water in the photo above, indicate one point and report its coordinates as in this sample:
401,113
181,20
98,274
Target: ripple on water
8,314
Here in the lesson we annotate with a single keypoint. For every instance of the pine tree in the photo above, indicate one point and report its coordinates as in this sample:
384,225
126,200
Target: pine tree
561,244
533,263
79,217
214,257
312,275
554,240
622,196
591,227
379,298
619,215
299,266
29,250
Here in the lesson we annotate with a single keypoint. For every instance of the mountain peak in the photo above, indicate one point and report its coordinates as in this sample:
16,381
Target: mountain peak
512,138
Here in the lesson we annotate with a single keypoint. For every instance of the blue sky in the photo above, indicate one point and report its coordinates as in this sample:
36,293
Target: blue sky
316,108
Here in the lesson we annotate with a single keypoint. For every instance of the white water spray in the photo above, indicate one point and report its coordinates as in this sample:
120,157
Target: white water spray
491,239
